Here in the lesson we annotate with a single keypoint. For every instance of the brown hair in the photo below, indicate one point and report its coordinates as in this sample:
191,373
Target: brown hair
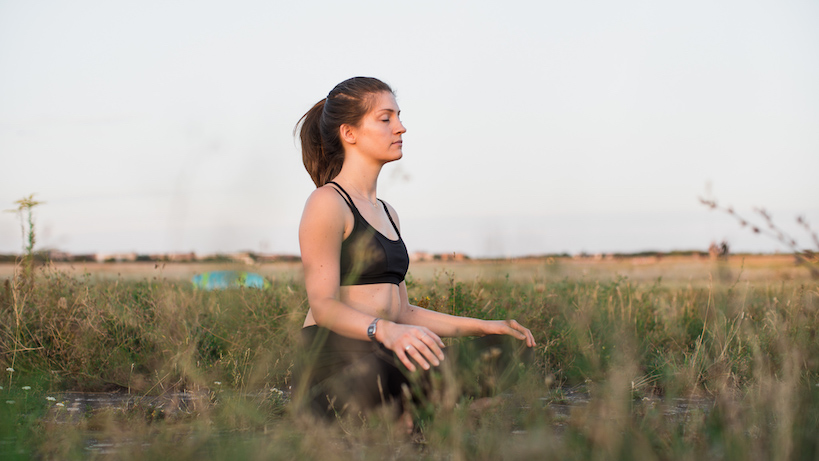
321,148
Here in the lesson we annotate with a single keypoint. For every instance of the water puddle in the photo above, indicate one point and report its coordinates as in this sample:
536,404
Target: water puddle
569,403
72,407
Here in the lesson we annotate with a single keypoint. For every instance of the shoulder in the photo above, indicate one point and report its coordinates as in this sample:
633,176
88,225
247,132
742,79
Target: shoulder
325,207
325,197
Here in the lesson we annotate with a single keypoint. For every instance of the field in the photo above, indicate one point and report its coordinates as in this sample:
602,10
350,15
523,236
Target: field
640,358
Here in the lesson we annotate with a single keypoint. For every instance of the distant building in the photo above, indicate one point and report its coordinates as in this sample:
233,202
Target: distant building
243,257
115,257
421,256
57,255
452,257
424,256
181,257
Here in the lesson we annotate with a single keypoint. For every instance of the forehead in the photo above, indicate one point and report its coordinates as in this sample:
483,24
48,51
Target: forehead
384,101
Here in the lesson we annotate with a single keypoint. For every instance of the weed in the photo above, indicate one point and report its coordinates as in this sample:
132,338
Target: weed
805,256
623,370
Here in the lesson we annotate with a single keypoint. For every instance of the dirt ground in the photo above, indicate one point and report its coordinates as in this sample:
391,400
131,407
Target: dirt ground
677,269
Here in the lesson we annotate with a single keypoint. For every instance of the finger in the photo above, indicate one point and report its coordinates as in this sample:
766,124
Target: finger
413,352
516,332
521,332
530,338
522,329
404,358
434,348
430,351
434,337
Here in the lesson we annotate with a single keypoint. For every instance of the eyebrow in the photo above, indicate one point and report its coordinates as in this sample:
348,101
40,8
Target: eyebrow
388,110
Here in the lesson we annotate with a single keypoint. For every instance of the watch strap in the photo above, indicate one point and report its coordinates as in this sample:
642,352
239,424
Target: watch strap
372,328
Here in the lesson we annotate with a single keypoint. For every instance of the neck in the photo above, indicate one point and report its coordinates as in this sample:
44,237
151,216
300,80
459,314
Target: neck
362,179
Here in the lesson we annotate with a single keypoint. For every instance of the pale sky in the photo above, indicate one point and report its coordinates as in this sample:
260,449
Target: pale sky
533,127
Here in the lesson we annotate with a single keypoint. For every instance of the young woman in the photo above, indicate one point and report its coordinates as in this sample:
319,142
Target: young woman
364,341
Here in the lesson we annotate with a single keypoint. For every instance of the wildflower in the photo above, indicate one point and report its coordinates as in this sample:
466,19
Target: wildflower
26,388
51,399
59,404
218,383
10,402
1,388
10,369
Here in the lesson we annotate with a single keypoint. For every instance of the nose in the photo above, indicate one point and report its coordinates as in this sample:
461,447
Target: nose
400,129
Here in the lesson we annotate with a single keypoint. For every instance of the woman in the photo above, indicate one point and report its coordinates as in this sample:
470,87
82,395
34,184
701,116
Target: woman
364,341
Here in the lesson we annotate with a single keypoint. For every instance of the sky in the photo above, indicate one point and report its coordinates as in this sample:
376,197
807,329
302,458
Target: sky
533,126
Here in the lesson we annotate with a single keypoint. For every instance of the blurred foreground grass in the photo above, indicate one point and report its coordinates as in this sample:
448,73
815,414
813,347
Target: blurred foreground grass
673,359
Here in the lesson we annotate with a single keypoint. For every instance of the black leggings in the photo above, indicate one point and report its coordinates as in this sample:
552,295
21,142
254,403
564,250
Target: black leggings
337,375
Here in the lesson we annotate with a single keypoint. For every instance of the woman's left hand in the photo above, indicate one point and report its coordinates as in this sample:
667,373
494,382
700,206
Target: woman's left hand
511,328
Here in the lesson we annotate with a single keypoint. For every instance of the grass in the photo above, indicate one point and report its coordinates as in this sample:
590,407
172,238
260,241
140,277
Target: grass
723,364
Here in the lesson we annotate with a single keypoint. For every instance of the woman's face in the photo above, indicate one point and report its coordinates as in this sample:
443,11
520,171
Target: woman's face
378,135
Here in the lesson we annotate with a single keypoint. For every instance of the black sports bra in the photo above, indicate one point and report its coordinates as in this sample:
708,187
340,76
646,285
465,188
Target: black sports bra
367,256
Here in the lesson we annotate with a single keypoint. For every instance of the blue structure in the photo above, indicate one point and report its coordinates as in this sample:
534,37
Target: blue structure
217,280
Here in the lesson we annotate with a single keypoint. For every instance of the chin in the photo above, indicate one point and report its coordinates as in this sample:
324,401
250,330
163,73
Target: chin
394,158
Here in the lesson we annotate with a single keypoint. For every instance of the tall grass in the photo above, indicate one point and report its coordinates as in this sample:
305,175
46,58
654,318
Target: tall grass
706,371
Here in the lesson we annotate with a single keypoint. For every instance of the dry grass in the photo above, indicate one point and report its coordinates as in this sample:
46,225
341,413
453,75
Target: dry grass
734,340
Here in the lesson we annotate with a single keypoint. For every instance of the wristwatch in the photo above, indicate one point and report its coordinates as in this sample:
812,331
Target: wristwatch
371,329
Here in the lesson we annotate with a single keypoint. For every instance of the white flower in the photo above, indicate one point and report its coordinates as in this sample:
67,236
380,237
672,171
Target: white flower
10,369
26,388
51,399
1,388
218,383
10,402
59,404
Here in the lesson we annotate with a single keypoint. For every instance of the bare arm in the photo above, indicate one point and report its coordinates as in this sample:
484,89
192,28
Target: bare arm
452,325
320,234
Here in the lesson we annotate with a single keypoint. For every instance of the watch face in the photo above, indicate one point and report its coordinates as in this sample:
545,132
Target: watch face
371,329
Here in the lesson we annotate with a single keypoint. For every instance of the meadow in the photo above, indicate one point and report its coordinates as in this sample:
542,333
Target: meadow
637,358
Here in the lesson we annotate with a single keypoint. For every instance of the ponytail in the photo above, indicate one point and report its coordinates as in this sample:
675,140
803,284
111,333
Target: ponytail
320,164
321,149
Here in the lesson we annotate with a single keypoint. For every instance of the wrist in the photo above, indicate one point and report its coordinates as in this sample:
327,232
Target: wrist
372,329
484,327
380,332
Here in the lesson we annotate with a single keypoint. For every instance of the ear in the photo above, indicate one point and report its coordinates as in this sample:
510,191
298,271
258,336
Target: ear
347,133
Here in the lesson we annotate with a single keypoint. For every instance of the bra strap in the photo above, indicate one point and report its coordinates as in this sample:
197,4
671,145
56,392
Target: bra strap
348,199
350,203
391,221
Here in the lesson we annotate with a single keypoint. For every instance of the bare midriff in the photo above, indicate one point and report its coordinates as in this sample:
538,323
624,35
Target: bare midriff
379,300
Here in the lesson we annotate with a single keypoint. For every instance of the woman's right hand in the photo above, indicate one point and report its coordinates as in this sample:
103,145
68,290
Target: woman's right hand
411,342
